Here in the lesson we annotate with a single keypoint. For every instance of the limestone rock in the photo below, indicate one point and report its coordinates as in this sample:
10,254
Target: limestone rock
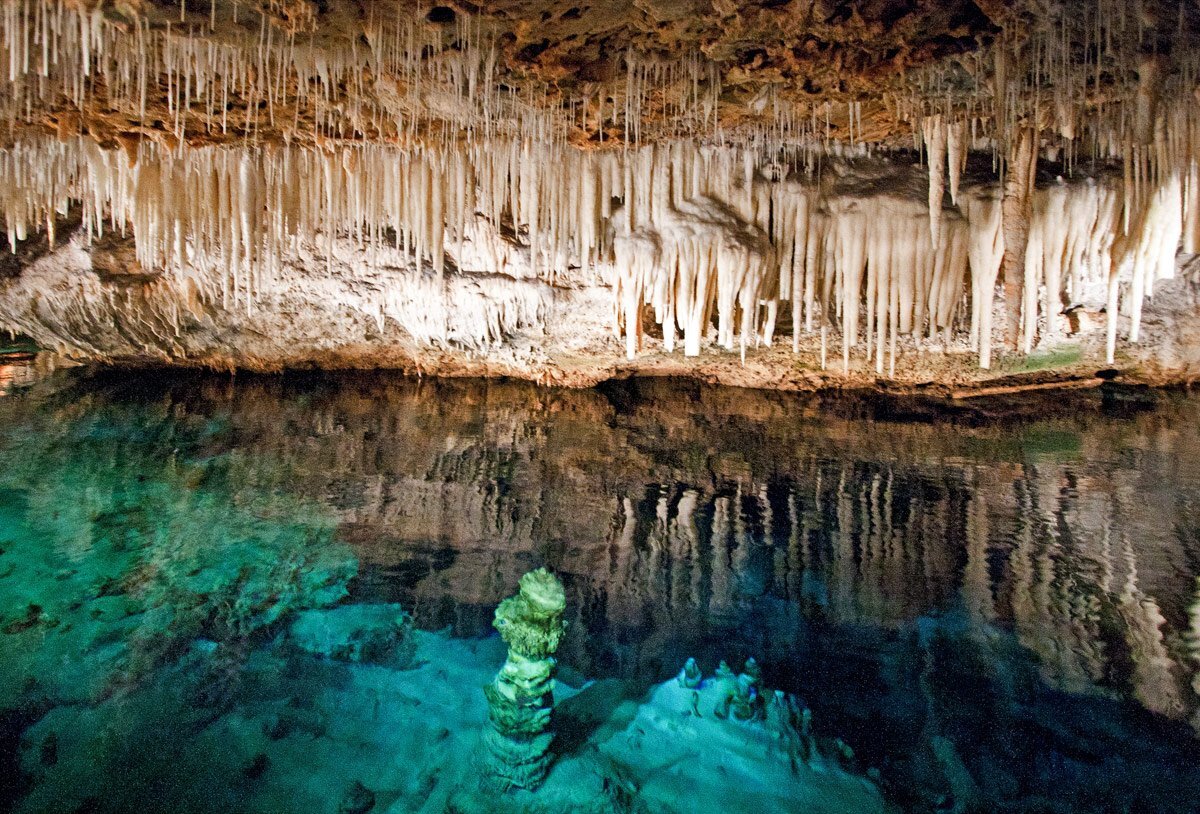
358,799
520,699
690,676
356,633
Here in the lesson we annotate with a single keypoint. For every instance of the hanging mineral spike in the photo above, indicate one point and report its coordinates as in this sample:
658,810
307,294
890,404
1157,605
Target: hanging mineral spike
710,242
934,131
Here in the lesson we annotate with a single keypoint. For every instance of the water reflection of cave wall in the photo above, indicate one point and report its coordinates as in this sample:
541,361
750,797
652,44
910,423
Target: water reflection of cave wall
1077,536
1055,556
675,513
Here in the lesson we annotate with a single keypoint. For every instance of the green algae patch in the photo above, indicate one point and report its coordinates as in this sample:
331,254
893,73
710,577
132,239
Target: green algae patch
1049,359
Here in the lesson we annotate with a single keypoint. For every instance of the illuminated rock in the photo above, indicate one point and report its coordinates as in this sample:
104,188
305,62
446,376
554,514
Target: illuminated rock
520,699
690,676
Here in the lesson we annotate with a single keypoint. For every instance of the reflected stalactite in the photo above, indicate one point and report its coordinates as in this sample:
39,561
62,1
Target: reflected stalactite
977,582
1057,618
1033,556
1155,679
1194,650
1074,532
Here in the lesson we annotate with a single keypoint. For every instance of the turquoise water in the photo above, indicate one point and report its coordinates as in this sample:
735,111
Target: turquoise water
275,594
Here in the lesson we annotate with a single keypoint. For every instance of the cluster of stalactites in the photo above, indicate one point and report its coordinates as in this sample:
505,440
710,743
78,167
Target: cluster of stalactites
230,215
1086,233
689,242
880,260
715,250
399,76
879,267
699,235
1112,82
398,73
1077,252
1093,78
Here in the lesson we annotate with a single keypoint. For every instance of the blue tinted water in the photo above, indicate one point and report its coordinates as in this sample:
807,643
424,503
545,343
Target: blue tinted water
995,606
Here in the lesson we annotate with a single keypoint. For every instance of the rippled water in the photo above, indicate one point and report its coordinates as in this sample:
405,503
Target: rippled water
995,605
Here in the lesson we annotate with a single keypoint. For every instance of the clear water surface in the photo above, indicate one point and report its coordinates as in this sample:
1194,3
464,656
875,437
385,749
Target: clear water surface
993,605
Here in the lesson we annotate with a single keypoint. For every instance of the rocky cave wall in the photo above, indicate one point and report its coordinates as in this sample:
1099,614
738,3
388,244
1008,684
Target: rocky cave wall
782,194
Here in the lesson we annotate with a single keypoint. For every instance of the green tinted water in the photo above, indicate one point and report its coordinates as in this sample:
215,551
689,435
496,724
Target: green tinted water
209,589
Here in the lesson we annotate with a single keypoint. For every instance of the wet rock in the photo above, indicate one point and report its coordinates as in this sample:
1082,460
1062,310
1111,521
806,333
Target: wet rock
358,799
690,676
373,634
32,616
87,806
295,720
256,767
48,753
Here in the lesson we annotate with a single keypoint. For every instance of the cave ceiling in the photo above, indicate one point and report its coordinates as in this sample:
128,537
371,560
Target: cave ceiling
595,72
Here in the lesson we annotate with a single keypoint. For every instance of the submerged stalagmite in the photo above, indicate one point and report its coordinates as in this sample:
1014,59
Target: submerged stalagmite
520,699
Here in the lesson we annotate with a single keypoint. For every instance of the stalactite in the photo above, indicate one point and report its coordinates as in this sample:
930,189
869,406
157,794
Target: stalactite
1016,206
713,241
934,131
1191,225
1146,252
956,155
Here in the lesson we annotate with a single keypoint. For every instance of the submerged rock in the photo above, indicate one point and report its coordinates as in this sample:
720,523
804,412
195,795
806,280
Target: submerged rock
358,799
690,676
745,702
356,633
48,754
256,766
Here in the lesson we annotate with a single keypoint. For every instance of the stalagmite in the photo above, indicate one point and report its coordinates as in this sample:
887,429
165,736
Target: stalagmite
520,699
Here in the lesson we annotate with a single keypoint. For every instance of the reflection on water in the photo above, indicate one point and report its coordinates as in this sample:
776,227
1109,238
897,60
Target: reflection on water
993,612
17,371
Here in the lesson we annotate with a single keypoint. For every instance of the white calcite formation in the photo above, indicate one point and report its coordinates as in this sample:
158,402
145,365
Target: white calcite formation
392,168
1194,648
704,239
